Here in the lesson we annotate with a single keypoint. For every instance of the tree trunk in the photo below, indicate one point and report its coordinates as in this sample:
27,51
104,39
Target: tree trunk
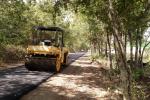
109,50
125,71
144,50
116,54
106,49
99,48
136,49
109,54
131,48
125,42
140,62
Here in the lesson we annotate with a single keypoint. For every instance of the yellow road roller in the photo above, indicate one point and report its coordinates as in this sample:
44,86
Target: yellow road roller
46,51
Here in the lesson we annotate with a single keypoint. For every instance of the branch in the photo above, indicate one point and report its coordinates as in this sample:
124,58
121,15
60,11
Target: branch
147,8
144,49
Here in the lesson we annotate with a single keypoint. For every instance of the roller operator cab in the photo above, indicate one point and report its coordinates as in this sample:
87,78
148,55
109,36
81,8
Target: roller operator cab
46,50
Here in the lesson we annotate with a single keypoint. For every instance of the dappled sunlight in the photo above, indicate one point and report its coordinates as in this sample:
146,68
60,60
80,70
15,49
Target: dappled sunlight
83,62
72,84
114,35
82,80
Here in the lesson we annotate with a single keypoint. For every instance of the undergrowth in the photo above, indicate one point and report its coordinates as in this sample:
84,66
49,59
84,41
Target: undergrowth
11,53
138,75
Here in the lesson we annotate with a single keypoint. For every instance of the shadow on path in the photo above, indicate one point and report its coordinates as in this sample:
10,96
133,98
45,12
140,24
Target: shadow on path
80,81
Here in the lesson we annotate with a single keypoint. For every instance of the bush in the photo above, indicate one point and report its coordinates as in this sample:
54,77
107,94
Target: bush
94,57
12,53
138,73
1,61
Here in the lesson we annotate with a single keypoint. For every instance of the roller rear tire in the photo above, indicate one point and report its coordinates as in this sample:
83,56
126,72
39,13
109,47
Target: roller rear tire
65,59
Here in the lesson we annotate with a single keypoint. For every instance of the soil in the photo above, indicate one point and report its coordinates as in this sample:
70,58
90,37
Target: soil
144,86
4,66
82,80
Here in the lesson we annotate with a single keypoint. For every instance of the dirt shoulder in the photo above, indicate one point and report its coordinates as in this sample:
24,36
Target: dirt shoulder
82,80
4,66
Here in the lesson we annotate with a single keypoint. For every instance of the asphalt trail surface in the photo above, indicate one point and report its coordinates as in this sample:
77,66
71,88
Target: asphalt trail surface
15,82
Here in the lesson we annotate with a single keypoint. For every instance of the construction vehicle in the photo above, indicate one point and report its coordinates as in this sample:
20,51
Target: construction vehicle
46,51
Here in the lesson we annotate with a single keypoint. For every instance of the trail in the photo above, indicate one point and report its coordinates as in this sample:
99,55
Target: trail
82,80
17,81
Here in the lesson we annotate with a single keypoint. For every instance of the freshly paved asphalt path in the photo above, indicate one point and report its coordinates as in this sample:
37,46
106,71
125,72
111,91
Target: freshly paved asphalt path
15,82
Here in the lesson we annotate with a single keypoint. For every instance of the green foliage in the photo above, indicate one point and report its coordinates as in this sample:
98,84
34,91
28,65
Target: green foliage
18,17
11,20
94,57
97,56
147,71
86,22
138,73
